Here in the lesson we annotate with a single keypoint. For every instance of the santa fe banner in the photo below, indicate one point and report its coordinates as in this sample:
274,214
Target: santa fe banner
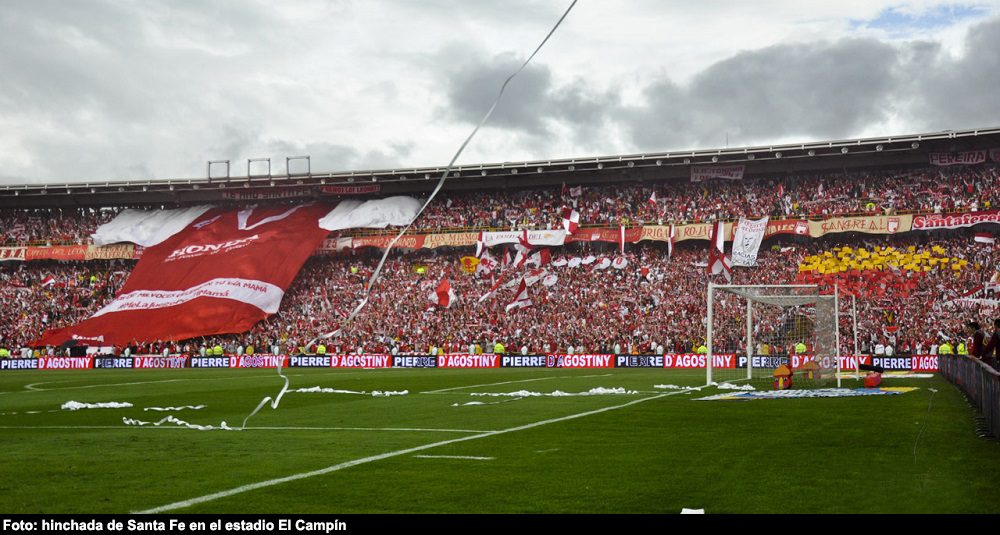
746,241
222,273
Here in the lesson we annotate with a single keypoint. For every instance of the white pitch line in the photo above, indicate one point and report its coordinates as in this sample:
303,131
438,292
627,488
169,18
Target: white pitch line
373,458
513,382
366,429
465,457
31,387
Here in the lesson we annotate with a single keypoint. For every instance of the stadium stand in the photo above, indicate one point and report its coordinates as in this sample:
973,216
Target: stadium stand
910,300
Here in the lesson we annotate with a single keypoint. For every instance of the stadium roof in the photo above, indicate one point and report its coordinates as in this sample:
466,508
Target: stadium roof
843,155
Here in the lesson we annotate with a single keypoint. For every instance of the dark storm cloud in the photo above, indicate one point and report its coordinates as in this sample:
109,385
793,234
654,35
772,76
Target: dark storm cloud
475,85
807,91
816,90
532,104
821,91
963,92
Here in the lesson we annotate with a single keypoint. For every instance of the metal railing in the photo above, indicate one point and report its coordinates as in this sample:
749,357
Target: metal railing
979,382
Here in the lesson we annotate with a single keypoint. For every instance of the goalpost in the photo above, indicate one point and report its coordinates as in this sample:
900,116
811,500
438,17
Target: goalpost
753,330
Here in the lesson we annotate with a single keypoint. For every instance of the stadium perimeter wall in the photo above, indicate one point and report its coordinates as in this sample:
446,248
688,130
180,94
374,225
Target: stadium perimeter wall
915,363
979,382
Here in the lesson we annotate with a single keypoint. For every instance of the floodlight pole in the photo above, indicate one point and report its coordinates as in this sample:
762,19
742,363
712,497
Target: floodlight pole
209,168
259,160
288,170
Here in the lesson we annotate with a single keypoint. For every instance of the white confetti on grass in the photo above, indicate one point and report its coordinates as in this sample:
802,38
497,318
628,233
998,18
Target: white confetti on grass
173,420
164,409
521,394
599,391
76,405
730,386
376,393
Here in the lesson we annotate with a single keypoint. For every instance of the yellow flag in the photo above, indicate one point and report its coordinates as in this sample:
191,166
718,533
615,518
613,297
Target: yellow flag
469,264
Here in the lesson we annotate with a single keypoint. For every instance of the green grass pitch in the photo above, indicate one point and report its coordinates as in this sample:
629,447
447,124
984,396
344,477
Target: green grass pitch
430,451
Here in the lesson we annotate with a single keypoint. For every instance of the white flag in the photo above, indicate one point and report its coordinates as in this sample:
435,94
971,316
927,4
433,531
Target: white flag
746,241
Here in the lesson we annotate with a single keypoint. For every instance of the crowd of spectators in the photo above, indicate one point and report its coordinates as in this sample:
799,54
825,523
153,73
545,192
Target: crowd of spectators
928,190
932,190
46,294
657,302
51,226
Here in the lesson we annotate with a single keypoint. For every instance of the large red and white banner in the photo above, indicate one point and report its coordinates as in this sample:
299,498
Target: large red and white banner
221,274
967,219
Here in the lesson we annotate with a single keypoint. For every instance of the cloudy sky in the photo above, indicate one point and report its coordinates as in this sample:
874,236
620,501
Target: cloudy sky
94,90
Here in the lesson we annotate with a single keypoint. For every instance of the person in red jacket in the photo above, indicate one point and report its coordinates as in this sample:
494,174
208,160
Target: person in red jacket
978,346
992,347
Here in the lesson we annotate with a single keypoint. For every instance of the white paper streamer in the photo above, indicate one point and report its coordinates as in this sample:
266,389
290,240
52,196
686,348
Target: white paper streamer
172,420
599,391
76,405
274,402
164,409
376,393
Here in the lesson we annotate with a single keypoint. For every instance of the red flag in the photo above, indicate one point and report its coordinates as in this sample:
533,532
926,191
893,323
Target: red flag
717,260
48,281
571,220
984,237
496,284
479,245
444,296
653,198
521,257
521,300
221,274
541,258
523,240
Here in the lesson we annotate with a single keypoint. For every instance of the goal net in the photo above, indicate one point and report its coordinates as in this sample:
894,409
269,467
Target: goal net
757,334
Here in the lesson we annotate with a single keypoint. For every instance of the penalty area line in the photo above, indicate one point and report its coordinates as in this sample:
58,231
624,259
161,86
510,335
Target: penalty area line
373,458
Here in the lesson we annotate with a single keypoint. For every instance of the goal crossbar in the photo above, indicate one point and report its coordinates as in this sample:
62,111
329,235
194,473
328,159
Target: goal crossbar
781,295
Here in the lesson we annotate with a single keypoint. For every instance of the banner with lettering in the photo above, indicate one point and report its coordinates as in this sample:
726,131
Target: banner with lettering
746,241
221,274
70,252
958,158
701,173
967,219
875,224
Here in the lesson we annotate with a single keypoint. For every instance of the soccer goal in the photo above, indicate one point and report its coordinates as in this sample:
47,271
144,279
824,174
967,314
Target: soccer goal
757,331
